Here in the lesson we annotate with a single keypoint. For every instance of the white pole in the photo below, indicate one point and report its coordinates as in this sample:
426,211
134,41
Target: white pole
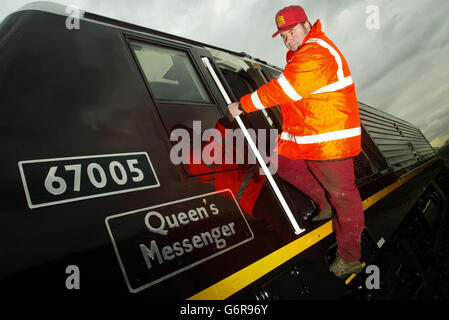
256,152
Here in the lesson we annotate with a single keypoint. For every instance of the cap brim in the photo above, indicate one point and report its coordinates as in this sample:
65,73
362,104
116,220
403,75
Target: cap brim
284,29
275,34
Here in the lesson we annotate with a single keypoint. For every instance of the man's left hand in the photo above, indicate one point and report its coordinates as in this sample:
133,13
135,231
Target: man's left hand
234,109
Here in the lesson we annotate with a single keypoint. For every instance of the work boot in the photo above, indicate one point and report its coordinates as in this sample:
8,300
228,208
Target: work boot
323,215
343,268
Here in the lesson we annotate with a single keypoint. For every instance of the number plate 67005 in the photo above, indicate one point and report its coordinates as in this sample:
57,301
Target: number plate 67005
53,181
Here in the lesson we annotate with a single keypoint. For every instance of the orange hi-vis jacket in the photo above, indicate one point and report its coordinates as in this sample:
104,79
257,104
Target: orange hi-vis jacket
318,102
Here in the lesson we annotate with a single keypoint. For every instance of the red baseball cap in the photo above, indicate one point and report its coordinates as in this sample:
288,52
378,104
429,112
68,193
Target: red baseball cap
288,18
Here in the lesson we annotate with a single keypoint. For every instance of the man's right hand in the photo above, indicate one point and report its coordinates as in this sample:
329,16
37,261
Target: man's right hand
234,109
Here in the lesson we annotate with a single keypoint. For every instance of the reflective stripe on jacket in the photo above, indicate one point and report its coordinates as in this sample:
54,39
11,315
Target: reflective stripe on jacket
318,102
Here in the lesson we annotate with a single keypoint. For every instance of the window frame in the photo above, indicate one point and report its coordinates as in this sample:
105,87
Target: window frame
129,39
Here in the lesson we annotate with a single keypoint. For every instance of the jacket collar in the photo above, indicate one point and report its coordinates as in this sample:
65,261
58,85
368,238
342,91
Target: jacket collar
315,32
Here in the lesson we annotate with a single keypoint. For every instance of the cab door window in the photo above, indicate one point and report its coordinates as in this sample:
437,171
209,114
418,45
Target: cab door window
240,77
170,74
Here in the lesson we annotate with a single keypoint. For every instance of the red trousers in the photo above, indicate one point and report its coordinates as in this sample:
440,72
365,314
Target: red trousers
314,178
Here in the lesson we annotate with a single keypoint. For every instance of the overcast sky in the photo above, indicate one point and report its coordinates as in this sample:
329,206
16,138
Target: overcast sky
399,62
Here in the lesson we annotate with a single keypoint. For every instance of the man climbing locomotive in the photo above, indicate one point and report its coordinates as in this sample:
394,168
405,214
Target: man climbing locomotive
321,128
